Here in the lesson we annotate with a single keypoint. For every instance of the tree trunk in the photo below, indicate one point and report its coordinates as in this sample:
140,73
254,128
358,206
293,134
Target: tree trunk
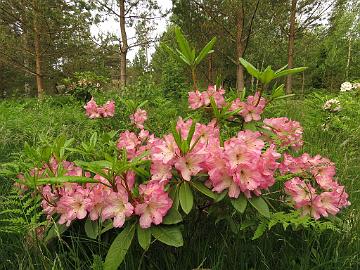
291,45
123,45
38,56
239,48
348,60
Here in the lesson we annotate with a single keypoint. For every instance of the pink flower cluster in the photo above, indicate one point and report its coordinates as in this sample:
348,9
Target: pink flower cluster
166,155
95,111
134,144
250,110
138,118
288,132
314,191
199,99
103,200
241,165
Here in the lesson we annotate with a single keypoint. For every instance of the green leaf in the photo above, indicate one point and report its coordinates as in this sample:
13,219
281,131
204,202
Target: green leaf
267,75
289,71
250,68
261,206
172,217
183,44
169,235
174,195
214,107
220,196
281,69
205,51
93,140
91,228
173,53
186,197
65,179
107,225
191,134
204,190
260,230
144,237
119,248
176,135
240,203
278,91
284,96
183,57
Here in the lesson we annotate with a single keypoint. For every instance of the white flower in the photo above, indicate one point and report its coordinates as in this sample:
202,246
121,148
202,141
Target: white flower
332,105
346,86
356,85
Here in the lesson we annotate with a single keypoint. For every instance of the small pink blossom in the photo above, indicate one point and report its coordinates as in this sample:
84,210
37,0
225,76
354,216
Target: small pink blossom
118,208
138,118
154,205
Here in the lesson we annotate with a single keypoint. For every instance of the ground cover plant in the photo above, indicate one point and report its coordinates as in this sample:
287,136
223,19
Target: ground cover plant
115,194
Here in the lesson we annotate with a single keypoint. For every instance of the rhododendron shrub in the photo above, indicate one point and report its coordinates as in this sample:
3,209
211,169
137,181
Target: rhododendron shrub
93,110
230,160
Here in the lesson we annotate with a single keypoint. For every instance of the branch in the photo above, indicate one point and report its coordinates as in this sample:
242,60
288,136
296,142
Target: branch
143,43
250,27
15,63
109,9
232,38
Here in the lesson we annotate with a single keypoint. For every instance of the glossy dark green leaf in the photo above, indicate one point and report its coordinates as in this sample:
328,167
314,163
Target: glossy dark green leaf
169,235
239,203
260,205
186,197
119,248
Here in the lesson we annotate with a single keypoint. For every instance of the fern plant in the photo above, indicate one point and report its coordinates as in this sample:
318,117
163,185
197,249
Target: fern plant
20,212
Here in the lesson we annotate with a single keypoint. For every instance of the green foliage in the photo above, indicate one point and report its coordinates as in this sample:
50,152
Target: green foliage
119,248
268,74
83,85
295,221
169,235
186,197
20,212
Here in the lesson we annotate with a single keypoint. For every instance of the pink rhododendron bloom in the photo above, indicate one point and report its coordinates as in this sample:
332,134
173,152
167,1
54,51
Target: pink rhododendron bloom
138,118
250,110
73,206
189,165
165,150
109,109
92,109
199,99
95,111
321,197
97,196
160,171
195,100
117,207
287,131
129,141
302,193
154,205
217,94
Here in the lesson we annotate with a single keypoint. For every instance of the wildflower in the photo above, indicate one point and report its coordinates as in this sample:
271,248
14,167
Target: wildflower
288,132
118,207
138,118
154,204
332,105
346,86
